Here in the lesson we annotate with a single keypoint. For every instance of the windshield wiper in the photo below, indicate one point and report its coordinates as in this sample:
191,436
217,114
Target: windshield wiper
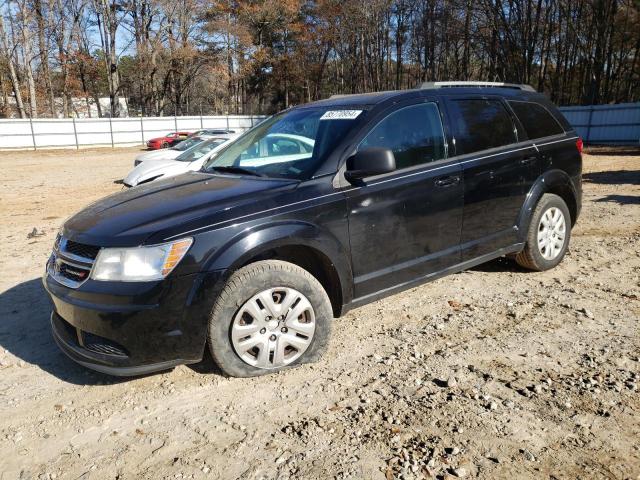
244,171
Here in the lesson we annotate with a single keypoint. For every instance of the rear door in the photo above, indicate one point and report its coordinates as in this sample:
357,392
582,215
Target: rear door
499,166
548,135
406,224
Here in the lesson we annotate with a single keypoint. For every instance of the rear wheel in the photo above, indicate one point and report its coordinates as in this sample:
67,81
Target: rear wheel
271,315
548,235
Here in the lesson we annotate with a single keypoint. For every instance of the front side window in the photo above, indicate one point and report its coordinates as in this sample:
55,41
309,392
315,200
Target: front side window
292,144
537,120
413,133
480,124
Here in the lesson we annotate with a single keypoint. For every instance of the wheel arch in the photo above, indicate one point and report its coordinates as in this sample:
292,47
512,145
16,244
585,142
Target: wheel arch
557,182
303,244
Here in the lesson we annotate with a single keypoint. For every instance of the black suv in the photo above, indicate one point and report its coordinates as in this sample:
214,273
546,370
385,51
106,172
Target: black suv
318,209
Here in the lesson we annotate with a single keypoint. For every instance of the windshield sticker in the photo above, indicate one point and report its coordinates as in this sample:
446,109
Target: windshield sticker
340,114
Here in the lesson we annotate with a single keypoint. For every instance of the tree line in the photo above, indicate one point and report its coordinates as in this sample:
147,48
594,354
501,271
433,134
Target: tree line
175,57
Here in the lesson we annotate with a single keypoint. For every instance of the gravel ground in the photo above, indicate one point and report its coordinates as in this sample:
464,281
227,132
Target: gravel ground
490,373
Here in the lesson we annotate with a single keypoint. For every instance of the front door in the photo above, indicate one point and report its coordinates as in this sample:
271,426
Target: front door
406,224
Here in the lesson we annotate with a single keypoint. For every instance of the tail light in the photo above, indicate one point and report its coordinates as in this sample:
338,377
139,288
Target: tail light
579,145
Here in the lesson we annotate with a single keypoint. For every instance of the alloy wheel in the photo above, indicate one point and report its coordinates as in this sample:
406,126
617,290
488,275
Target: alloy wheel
552,232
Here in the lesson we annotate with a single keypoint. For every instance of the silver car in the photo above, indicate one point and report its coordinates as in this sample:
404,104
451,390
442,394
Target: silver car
189,160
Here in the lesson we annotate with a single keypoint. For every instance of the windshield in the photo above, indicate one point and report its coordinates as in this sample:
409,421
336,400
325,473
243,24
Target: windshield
188,143
200,149
292,144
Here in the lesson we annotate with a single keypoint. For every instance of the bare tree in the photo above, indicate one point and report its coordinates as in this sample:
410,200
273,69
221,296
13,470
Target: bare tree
108,15
8,52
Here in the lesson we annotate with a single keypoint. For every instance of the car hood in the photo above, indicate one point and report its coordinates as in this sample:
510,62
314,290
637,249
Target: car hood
167,153
154,211
158,168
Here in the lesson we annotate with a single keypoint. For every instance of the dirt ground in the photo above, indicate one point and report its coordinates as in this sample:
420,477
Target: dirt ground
491,373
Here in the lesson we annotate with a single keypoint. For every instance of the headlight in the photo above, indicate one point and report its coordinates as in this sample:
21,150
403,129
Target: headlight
139,264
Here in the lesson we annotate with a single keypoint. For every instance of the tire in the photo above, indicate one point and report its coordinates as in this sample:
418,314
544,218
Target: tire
165,145
241,306
542,250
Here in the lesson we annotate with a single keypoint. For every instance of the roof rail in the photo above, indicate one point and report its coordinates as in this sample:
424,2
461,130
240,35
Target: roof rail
343,95
519,86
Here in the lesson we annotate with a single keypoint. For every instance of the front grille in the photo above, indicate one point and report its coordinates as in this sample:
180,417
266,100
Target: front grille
71,262
82,250
74,273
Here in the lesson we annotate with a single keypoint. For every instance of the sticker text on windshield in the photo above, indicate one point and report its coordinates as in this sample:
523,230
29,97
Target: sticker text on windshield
340,114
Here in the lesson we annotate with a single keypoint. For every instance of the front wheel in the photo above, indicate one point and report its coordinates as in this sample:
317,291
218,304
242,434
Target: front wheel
548,235
271,315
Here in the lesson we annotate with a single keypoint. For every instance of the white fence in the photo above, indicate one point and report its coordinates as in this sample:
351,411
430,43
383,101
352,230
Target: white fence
90,132
601,124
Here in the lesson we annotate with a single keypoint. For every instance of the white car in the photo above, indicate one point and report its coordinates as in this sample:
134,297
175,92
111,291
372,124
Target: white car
276,148
190,160
173,152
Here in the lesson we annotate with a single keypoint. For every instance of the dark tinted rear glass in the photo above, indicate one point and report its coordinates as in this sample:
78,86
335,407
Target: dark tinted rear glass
536,120
481,124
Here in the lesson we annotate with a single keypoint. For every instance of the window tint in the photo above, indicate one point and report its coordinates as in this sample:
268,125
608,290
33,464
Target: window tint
481,124
537,120
413,133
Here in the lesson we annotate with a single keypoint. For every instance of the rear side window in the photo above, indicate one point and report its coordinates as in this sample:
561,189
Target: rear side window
536,120
481,124
413,133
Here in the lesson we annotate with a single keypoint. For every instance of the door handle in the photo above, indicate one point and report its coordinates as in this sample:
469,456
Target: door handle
447,181
528,160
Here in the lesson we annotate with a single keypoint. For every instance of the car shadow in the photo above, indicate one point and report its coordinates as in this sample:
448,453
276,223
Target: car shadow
620,199
622,151
500,264
206,366
617,177
25,332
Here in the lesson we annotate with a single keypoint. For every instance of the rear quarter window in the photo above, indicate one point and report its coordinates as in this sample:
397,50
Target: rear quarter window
481,124
536,119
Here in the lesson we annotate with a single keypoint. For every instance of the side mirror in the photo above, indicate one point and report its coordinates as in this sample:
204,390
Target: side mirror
369,162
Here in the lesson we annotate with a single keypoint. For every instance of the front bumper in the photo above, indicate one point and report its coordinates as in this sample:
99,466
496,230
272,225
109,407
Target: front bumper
100,363
128,329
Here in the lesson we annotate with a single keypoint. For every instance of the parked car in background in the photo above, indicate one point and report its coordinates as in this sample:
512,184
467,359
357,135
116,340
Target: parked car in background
191,159
167,140
213,131
173,152
319,209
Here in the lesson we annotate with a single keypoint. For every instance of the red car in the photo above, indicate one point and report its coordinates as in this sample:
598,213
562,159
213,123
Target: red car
167,141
